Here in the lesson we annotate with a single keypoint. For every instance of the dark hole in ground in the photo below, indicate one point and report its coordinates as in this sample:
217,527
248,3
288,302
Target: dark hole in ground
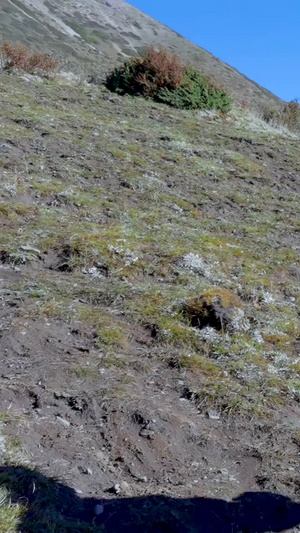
209,317
4,256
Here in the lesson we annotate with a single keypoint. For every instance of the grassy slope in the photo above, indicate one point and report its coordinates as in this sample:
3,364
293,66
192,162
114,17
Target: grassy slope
119,190
190,187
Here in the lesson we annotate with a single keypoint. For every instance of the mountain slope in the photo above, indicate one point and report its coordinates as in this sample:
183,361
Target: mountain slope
115,213
97,34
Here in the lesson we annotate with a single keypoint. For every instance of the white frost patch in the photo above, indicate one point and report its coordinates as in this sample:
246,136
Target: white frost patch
253,120
2,446
194,263
11,188
279,358
257,336
183,146
128,256
272,369
176,207
209,334
207,113
69,76
93,272
239,322
266,297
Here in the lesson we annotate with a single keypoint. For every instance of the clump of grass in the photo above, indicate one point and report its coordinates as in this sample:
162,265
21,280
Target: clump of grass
201,364
10,516
279,339
288,116
112,336
245,164
84,372
52,308
173,333
291,115
109,332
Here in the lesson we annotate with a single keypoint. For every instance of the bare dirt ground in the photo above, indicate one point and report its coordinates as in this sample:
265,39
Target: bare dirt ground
132,432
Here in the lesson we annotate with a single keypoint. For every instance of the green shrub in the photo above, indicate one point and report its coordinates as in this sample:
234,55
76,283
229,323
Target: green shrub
196,92
161,76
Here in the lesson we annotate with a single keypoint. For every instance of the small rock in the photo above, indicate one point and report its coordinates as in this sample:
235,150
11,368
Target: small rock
213,415
84,470
30,249
117,488
148,430
30,77
63,421
125,488
147,433
99,509
143,479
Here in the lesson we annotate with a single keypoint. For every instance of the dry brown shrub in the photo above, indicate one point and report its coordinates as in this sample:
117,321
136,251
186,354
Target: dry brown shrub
160,68
291,115
18,56
157,69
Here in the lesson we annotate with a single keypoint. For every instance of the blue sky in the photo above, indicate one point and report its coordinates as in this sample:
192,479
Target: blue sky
261,38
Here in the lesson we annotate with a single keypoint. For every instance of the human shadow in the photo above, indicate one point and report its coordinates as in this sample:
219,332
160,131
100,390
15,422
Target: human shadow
51,506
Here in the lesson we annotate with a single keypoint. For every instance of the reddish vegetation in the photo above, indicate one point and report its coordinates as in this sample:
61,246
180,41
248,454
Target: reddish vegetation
19,56
160,68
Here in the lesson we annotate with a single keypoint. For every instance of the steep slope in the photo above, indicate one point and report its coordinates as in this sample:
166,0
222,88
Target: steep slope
115,213
97,34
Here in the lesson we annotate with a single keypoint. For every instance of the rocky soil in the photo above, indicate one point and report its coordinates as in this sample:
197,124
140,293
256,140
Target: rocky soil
120,410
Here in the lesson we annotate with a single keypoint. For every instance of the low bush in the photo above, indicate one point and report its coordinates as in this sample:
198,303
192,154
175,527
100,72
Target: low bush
288,116
196,92
17,56
161,75
291,115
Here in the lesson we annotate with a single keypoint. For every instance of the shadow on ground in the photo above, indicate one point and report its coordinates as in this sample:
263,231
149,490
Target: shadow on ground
54,507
